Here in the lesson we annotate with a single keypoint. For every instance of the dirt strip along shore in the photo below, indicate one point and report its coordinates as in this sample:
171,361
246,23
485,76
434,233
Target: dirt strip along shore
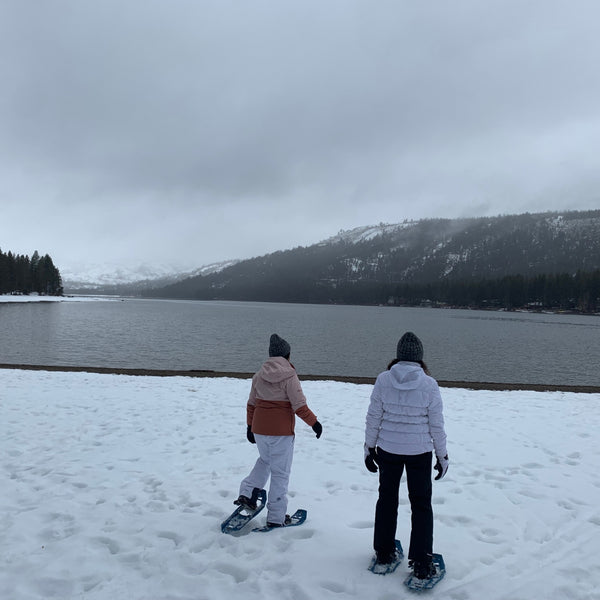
472,385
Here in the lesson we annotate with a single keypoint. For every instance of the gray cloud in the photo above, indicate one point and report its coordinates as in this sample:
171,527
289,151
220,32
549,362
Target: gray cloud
196,131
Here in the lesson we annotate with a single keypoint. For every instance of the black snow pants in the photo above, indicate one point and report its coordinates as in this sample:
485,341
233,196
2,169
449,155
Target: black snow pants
418,478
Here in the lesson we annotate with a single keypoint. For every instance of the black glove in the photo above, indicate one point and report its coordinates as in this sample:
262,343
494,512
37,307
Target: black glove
318,429
371,460
250,435
441,466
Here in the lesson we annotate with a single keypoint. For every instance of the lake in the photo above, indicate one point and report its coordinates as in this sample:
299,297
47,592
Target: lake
460,345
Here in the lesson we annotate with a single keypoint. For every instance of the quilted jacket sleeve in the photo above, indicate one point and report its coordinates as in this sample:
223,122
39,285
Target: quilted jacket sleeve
374,416
436,422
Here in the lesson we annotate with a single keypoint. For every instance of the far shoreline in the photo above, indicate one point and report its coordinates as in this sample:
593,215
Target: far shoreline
471,385
81,296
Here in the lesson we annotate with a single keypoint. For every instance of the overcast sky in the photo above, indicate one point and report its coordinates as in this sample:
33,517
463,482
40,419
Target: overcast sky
191,131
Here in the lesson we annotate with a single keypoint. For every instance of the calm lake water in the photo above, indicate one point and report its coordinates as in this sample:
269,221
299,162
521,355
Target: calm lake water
459,345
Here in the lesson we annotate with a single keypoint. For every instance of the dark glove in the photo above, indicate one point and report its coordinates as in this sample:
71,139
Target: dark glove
371,460
318,429
441,466
250,435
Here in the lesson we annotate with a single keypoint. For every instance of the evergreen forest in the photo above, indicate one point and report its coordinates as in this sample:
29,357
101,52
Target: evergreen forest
552,292
20,274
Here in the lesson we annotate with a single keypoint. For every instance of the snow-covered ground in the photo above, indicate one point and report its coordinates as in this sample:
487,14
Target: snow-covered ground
114,487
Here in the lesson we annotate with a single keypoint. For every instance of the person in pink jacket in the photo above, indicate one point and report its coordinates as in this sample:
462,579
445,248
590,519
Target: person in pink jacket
275,399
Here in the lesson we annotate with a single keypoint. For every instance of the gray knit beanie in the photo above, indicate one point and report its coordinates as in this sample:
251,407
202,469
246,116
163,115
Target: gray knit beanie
278,346
410,348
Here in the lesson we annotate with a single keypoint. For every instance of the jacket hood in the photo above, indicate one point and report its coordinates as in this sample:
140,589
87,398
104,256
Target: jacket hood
406,375
276,369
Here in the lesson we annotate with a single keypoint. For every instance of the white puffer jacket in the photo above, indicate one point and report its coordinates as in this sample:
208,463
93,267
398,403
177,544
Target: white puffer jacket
405,415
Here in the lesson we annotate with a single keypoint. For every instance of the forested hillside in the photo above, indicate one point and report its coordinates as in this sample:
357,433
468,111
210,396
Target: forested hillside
20,274
547,260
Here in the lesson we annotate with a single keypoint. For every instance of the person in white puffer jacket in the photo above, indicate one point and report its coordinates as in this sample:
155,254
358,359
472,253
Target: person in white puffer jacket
404,426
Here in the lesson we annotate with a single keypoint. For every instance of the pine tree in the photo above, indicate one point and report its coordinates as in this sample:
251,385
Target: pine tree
22,275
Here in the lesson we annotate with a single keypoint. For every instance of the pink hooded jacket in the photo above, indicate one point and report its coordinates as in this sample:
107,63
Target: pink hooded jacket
275,398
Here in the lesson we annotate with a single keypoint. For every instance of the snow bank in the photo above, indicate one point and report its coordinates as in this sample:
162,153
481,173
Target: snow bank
35,298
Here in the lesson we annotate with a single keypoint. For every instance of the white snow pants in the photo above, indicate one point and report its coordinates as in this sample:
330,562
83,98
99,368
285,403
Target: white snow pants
276,453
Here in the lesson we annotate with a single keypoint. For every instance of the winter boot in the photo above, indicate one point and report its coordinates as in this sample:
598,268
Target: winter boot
386,558
287,521
249,503
423,569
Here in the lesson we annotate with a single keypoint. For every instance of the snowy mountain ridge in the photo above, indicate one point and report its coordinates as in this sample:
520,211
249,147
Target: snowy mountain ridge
394,263
365,233
411,251
91,277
